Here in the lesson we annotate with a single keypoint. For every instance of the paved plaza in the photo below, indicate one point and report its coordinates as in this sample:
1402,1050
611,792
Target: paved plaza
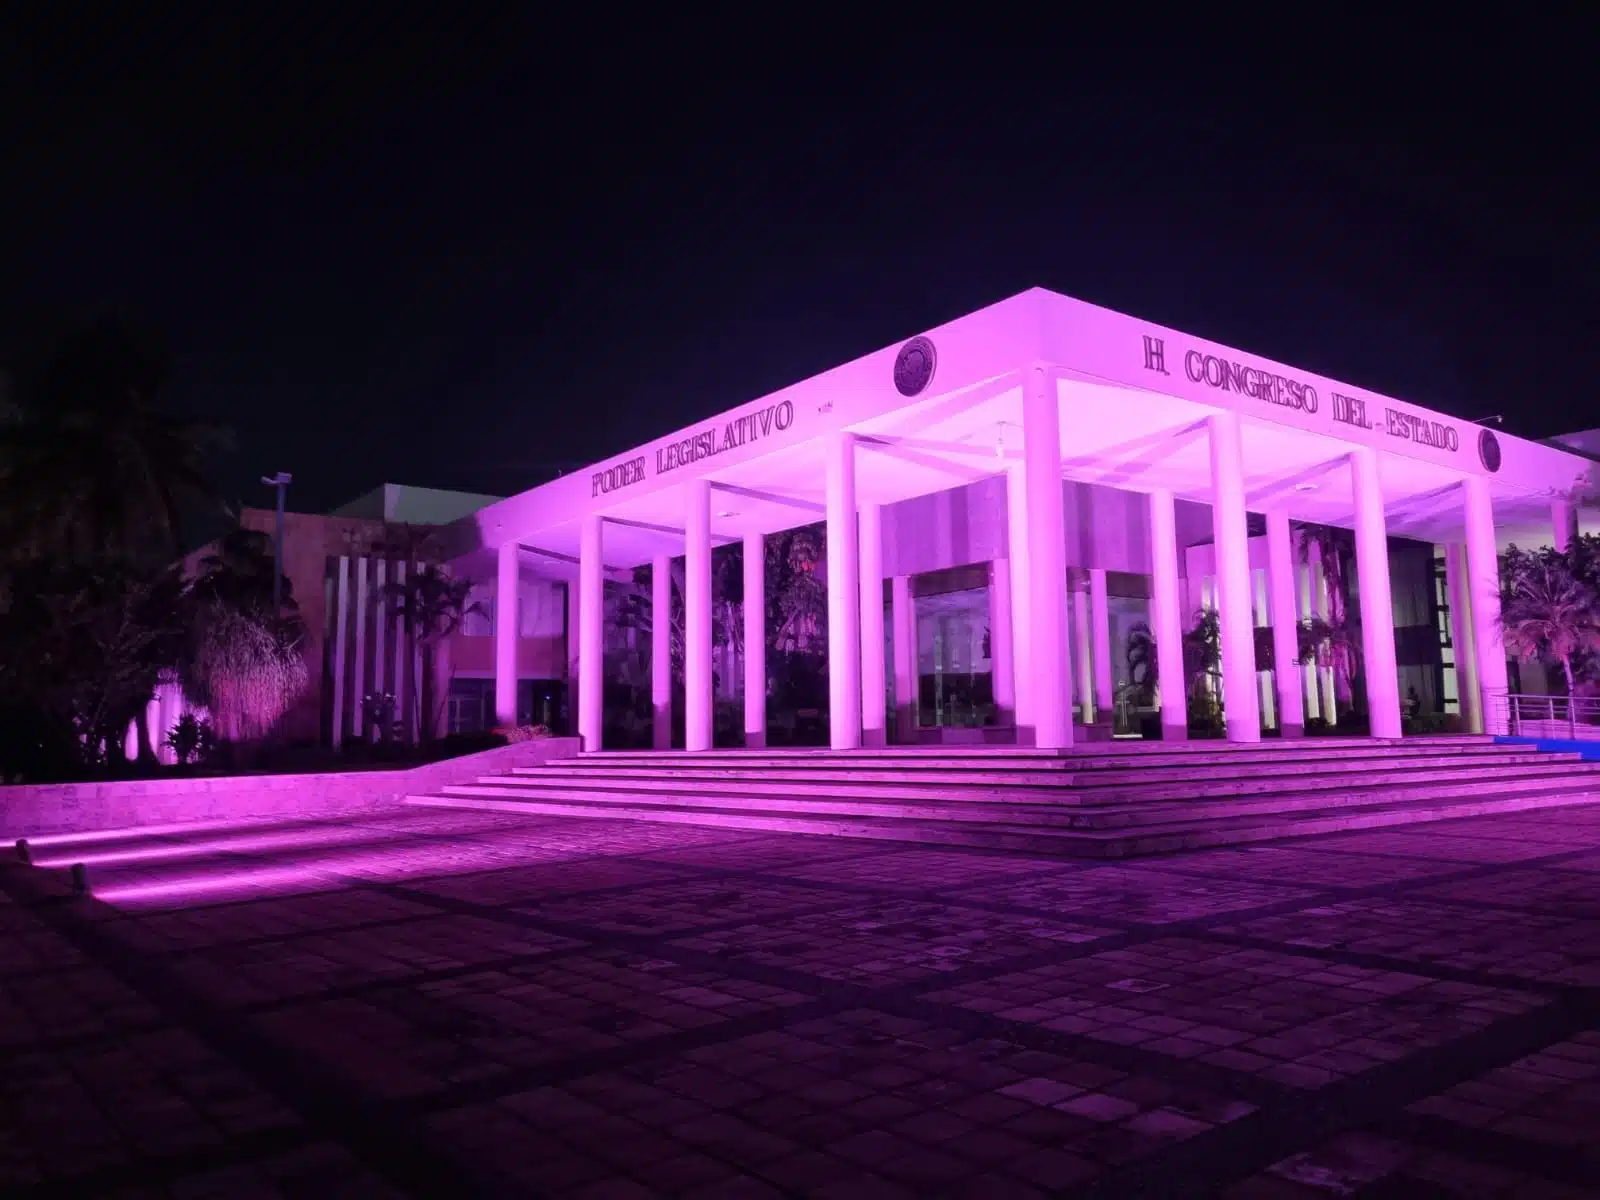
436,1003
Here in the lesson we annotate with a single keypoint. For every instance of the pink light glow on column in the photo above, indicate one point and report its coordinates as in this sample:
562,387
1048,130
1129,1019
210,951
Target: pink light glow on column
1463,646
1377,614
1322,606
1001,663
358,672
755,639
1563,522
380,620
570,649
1234,615
1166,617
505,636
903,620
873,687
1281,574
1081,626
1049,655
1100,636
661,651
591,632
1483,582
400,685
844,594
341,617
698,725
1021,599
1311,704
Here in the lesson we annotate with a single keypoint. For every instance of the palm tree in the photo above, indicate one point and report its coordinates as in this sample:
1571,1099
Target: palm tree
799,598
239,572
432,605
1333,641
1548,613
89,464
245,662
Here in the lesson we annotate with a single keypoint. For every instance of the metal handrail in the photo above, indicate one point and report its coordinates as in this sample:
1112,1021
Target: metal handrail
1520,715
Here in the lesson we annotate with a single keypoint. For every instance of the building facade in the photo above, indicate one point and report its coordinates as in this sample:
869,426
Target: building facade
1025,510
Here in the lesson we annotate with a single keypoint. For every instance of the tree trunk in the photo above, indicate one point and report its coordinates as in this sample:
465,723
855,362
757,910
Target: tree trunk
425,698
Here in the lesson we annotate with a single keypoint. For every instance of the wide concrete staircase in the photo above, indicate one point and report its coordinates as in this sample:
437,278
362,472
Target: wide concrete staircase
1103,800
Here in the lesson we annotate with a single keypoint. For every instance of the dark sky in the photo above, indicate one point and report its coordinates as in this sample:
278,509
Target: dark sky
467,255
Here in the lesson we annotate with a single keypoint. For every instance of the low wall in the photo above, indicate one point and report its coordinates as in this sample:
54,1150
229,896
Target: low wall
35,810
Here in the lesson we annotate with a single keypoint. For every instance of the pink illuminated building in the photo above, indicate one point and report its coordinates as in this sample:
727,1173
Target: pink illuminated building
1008,496
1013,509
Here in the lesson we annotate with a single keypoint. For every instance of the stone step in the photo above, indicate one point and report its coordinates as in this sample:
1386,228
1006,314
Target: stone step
981,777
1178,835
1303,750
1190,835
1156,789
1112,749
959,806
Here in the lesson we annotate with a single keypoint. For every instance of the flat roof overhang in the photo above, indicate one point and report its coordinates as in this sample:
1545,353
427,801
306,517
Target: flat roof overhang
1134,399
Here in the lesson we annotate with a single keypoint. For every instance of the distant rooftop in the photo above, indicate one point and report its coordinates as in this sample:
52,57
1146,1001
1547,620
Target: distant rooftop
408,505
1585,441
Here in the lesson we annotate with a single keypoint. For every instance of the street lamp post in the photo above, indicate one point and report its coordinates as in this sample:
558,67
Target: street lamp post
281,481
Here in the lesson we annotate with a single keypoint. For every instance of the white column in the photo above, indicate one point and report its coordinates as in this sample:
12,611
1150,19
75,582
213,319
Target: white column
755,640
167,697
341,610
380,623
506,581
402,670
591,632
358,684
873,687
1564,522
661,651
1468,698
1327,685
1377,601
1234,619
1021,601
1166,618
574,702
844,594
699,725
1100,617
1001,665
1049,657
1266,701
1307,673
1081,626
152,722
1483,582
903,620
1285,629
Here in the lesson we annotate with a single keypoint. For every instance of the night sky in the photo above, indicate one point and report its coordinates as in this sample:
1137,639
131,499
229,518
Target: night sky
471,256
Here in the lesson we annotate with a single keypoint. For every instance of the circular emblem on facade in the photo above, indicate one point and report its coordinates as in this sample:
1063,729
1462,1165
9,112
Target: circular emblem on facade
913,366
1488,450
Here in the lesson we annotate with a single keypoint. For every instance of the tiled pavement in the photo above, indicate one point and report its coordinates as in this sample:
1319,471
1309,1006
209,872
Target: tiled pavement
444,1003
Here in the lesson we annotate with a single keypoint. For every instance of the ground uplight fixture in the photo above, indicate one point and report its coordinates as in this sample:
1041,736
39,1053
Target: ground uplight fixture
80,879
24,852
